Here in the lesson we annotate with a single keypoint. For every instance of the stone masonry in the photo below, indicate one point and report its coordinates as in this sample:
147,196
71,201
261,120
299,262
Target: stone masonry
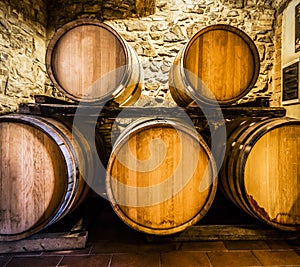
22,51
158,38
157,33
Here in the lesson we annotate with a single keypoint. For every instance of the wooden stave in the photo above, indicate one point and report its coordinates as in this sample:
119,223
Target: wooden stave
129,89
178,85
83,153
247,135
181,89
146,123
230,164
272,124
230,187
58,140
76,189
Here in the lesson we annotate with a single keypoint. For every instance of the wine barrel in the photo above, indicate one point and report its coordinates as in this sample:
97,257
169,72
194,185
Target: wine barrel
261,171
89,61
161,176
220,64
42,170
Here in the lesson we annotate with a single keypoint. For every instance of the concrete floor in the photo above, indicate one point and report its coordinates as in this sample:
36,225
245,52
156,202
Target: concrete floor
112,243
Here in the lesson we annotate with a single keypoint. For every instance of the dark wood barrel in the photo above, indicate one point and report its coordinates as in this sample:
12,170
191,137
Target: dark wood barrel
42,170
219,63
89,61
261,171
161,176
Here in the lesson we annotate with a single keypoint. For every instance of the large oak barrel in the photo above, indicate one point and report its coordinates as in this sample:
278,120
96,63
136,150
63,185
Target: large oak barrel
89,61
219,63
261,170
161,176
42,170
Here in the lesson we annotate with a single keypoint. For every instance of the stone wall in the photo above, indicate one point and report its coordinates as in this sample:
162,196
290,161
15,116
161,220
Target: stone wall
22,51
62,11
157,38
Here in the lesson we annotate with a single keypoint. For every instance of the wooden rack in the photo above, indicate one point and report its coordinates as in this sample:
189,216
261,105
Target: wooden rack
77,236
48,106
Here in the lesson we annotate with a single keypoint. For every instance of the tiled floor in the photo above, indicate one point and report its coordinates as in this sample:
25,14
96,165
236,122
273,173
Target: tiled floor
113,244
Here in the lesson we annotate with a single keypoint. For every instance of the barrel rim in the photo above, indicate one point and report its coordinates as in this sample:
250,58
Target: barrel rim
34,121
137,126
254,52
60,32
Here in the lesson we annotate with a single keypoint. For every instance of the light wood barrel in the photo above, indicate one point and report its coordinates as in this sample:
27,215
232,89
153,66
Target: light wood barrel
41,173
89,61
219,63
261,171
161,176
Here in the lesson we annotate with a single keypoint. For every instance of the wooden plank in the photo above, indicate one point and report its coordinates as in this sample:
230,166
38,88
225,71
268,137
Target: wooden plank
226,232
46,242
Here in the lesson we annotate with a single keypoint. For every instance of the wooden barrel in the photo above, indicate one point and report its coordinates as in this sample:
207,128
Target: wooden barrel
220,63
261,171
41,173
161,176
89,61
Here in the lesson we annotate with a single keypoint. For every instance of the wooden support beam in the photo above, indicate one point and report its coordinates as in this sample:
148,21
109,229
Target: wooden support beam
46,242
226,232
44,106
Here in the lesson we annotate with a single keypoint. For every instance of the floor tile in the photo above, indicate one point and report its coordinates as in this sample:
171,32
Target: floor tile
275,258
135,260
294,243
245,245
109,247
86,261
22,254
279,244
203,246
157,247
184,258
4,260
46,261
232,259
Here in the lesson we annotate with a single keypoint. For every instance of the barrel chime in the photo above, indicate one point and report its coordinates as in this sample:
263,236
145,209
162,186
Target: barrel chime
158,166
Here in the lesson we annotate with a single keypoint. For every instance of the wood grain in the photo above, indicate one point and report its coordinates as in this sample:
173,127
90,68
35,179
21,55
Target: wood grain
219,63
165,198
88,61
32,177
85,54
226,232
260,172
46,242
42,170
272,174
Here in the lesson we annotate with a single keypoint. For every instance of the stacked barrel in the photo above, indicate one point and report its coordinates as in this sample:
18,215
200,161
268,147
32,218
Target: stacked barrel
260,171
161,175
46,163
